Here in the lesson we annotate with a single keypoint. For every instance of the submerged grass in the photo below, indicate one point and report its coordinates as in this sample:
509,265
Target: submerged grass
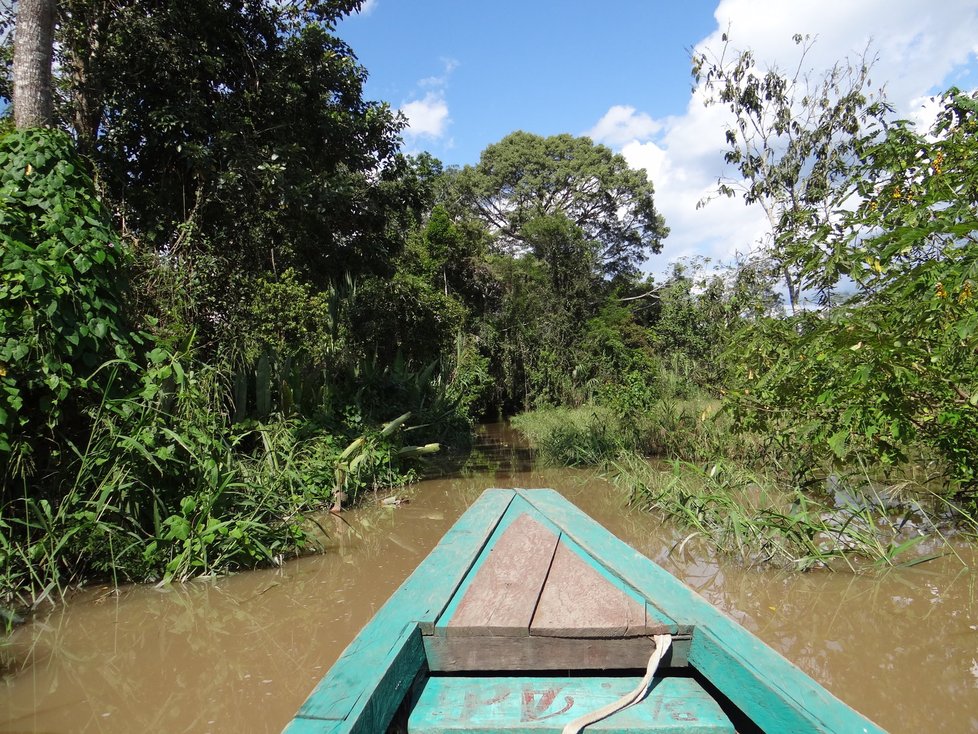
751,516
746,497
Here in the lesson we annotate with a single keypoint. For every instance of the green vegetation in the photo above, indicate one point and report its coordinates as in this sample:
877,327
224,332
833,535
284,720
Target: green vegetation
60,304
222,281
793,140
193,359
891,372
573,203
840,434
755,518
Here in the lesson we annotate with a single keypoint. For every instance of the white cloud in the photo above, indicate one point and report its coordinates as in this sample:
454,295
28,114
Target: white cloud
427,117
648,156
919,45
623,124
921,49
441,80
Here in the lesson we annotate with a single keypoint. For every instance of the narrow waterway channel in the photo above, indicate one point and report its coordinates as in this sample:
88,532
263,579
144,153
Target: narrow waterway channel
240,654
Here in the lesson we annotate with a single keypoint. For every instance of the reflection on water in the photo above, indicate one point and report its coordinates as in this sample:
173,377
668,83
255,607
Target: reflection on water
240,654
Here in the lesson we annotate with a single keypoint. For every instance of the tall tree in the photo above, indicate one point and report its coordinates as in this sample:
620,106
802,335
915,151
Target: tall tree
33,52
234,140
893,370
244,122
791,140
524,177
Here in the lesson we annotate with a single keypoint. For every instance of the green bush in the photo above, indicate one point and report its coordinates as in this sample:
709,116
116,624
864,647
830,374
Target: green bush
404,315
61,280
166,487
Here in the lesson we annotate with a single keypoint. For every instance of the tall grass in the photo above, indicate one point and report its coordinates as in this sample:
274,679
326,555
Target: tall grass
692,429
575,436
740,494
168,487
751,516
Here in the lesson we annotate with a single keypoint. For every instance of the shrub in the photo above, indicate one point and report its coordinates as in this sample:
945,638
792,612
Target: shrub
61,269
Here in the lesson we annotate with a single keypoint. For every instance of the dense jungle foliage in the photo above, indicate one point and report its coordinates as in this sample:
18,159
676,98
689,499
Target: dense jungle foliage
846,429
229,301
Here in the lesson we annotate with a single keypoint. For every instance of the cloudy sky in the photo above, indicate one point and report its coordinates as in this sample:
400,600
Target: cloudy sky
466,74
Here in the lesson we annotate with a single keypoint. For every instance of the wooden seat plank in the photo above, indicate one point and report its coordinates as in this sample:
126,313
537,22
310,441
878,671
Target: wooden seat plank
502,596
577,601
474,654
461,705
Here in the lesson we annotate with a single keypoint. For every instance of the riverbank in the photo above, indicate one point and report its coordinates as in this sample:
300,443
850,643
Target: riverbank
682,460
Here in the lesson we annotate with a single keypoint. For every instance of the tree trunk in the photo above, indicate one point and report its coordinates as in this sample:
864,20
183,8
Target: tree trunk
92,23
33,52
794,290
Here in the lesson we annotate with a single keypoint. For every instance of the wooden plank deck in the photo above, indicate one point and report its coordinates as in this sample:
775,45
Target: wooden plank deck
576,601
503,595
532,600
532,579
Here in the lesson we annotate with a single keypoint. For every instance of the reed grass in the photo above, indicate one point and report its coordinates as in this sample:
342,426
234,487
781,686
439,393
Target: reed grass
168,487
745,496
584,436
751,516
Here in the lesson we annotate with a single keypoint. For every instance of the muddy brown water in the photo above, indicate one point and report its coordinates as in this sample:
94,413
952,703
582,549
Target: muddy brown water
240,654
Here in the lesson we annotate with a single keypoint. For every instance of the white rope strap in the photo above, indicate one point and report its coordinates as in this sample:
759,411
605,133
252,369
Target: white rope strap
662,643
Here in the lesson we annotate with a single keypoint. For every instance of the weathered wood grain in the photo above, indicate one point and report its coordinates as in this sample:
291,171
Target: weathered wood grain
359,677
577,601
472,654
721,638
458,705
518,506
504,592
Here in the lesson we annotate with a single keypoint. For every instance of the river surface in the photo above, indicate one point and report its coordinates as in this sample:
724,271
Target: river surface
240,654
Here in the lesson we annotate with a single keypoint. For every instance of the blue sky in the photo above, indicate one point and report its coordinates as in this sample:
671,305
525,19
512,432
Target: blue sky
544,66
466,74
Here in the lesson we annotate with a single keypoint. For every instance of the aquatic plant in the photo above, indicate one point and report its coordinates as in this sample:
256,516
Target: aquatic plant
575,436
752,516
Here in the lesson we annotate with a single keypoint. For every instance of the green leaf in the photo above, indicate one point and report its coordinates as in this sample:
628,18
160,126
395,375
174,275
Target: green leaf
837,443
395,424
82,263
965,327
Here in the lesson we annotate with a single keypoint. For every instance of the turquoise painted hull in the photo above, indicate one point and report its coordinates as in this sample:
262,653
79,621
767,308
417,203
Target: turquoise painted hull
426,663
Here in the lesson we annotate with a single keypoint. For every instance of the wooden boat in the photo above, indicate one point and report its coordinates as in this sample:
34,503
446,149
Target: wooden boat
528,616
